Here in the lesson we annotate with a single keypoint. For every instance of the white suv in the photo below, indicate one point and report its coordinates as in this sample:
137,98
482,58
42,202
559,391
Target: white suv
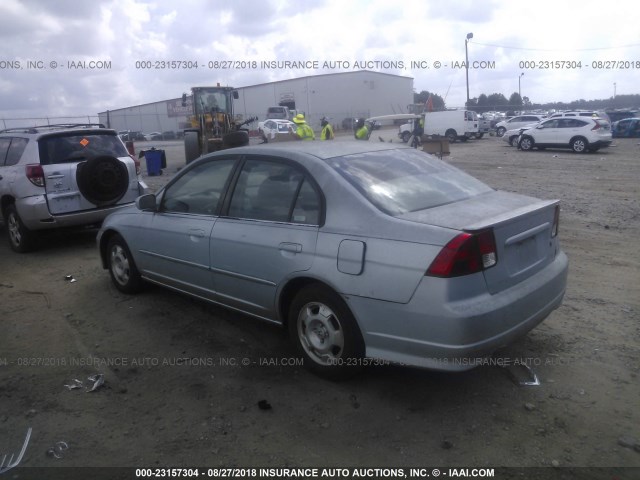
580,134
516,122
63,175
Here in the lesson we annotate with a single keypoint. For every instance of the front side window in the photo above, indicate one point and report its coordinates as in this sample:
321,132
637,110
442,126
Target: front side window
406,180
199,190
273,191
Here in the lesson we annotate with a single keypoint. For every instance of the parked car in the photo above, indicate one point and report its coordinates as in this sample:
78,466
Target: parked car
453,124
581,113
516,122
512,136
153,136
629,127
169,135
347,123
580,134
361,250
270,129
62,176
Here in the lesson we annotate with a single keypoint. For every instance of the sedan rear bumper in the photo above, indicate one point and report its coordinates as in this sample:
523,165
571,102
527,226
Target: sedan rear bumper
433,331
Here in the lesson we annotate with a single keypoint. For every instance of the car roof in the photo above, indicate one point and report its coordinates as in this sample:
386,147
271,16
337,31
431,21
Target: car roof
322,150
57,128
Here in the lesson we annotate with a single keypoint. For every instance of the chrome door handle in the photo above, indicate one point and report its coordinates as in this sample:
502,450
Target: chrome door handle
290,247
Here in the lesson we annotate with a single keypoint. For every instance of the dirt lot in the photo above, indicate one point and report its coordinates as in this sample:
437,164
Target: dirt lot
183,379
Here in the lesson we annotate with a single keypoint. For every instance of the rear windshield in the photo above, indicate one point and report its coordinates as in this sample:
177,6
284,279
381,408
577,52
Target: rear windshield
406,180
77,147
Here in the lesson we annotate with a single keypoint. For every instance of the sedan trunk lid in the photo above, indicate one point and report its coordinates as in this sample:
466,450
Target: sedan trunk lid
522,228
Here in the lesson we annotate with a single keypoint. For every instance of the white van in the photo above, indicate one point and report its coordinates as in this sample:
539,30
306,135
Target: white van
453,124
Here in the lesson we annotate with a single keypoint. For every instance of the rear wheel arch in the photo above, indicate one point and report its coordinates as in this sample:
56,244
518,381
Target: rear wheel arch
5,201
290,290
451,135
579,144
325,332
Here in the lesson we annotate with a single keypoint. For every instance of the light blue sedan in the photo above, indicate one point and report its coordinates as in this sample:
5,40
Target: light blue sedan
365,252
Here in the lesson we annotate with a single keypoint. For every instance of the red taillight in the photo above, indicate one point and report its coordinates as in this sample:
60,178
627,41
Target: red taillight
465,254
556,222
35,174
132,153
136,163
596,126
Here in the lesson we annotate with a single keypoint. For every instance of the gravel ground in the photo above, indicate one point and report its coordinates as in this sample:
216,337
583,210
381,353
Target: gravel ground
177,392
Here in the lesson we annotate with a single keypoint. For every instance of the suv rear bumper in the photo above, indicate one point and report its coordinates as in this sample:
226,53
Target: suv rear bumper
35,215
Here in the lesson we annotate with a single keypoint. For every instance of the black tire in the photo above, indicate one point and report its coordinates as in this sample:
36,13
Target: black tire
325,333
102,180
191,146
21,239
500,131
513,140
406,136
526,143
579,145
122,268
451,135
479,135
464,138
239,138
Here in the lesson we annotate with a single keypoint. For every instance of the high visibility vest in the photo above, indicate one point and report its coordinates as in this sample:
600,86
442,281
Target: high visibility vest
327,133
362,133
305,132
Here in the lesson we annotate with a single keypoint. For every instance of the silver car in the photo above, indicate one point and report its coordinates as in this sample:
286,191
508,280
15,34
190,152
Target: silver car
57,176
365,252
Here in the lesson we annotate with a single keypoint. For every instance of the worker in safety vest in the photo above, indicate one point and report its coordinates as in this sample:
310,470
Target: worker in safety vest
303,131
327,130
362,130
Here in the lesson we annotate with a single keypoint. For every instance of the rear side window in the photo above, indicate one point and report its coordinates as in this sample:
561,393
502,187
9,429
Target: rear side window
16,149
401,181
11,150
275,192
78,147
5,142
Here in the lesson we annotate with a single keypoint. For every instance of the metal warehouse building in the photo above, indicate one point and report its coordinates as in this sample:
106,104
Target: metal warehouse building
337,96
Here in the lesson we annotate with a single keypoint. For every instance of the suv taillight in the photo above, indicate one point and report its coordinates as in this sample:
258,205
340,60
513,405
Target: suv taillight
35,174
596,126
136,163
465,254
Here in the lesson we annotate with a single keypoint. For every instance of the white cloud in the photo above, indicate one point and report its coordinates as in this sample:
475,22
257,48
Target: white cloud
128,31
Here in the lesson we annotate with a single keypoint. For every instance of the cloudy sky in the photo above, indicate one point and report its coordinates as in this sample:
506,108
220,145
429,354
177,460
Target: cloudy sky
69,57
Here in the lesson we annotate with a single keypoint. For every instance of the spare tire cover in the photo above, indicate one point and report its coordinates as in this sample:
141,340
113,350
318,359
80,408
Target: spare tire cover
102,180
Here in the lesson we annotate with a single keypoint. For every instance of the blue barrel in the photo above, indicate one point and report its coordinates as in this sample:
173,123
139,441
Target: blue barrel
154,162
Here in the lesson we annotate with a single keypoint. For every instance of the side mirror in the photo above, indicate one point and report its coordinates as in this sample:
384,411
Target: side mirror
146,202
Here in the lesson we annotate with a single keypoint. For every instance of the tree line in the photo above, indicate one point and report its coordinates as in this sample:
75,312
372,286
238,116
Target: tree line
497,101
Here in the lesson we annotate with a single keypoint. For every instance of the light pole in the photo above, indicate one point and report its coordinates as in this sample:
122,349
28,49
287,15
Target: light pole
519,84
466,64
